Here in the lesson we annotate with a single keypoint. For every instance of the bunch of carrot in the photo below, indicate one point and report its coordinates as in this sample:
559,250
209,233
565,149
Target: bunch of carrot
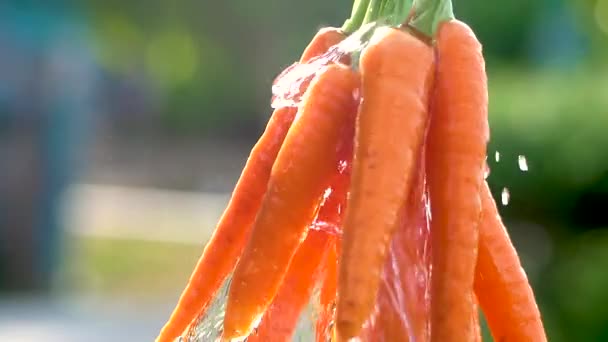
372,190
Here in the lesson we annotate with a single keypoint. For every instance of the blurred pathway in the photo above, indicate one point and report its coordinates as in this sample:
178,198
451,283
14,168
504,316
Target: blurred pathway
116,212
142,213
78,319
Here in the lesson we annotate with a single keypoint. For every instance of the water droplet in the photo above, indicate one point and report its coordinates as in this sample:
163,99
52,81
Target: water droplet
342,165
523,163
497,156
328,192
505,196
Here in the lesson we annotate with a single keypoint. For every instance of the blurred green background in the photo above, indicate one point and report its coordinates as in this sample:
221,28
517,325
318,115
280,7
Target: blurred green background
124,125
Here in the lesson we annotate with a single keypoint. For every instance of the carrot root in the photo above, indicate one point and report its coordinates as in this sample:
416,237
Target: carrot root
501,285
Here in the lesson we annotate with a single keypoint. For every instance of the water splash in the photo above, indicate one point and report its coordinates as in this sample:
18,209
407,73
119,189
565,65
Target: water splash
289,86
210,326
505,196
523,163
497,156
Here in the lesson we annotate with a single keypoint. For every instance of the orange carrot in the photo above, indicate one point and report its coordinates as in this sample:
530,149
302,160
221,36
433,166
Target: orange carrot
279,321
306,266
501,285
396,71
221,253
299,176
310,261
402,306
457,138
327,297
333,213
324,39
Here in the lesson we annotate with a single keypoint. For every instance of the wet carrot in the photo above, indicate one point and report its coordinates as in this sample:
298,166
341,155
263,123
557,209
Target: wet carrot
306,266
311,258
475,321
324,39
501,285
333,213
228,240
457,138
403,312
299,176
396,72
327,296
279,321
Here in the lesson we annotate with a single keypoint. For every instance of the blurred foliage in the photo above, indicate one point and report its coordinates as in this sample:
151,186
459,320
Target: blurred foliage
208,66
556,120
114,266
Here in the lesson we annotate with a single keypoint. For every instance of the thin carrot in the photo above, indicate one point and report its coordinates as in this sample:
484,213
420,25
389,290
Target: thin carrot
501,285
327,297
312,256
306,266
457,139
333,214
279,321
403,312
324,39
299,176
396,71
221,253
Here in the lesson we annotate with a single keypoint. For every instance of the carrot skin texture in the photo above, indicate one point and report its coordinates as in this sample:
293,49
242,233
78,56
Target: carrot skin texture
299,176
501,285
457,138
221,253
396,72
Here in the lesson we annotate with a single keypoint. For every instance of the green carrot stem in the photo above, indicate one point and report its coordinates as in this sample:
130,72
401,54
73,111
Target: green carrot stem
429,14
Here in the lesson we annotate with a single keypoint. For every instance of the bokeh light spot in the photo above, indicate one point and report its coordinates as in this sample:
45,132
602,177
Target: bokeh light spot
119,40
601,15
172,57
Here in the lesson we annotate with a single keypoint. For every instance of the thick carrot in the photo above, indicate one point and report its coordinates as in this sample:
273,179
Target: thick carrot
501,285
299,176
396,72
457,138
279,321
221,253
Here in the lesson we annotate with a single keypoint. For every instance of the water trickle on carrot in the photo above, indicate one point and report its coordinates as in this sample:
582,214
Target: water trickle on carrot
209,326
486,171
288,85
